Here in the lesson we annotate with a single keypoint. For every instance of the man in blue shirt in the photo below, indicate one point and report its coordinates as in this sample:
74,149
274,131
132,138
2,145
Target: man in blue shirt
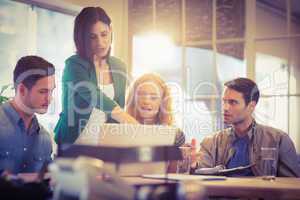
24,144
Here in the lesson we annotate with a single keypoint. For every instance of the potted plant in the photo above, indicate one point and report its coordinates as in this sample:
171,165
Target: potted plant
3,98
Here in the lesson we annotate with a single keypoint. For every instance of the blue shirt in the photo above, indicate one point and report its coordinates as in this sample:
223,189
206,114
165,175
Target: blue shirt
22,150
240,156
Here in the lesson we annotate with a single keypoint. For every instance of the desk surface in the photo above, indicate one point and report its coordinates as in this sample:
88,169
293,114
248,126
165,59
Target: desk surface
255,187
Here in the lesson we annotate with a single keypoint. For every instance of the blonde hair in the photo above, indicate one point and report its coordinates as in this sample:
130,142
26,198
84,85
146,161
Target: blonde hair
164,116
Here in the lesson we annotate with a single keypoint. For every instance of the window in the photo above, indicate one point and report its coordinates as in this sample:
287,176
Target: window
277,65
218,40
272,80
54,41
15,37
30,30
206,49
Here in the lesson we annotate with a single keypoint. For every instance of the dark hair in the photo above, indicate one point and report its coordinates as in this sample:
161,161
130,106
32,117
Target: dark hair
245,86
29,69
83,22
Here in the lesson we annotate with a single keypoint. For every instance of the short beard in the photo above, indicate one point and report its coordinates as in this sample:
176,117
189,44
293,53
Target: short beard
238,122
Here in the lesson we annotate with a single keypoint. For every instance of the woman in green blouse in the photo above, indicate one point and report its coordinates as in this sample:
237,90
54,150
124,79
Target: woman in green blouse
92,79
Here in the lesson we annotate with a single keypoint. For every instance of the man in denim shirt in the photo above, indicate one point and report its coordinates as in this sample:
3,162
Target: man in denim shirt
24,144
242,144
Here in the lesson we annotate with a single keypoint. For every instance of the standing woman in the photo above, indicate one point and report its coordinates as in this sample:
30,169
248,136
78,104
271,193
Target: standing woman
92,78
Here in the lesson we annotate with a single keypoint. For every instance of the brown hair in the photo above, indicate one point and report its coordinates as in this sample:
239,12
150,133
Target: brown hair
83,22
245,86
29,69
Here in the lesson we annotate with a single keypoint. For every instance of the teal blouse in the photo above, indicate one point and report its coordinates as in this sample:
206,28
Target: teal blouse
80,94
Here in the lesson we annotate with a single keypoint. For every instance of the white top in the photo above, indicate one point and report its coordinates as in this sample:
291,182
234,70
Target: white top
97,117
109,91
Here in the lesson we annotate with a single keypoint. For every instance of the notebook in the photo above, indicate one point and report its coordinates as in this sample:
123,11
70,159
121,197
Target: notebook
183,177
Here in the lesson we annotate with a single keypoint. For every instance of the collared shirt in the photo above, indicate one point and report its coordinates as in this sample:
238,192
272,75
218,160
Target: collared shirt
22,150
240,156
218,149
240,147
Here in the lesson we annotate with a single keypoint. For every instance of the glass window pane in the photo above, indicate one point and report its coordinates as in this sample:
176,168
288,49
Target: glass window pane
140,16
235,50
273,111
15,37
230,19
230,62
54,43
271,69
271,18
230,65
203,92
201,73
168,18
55,36
157,53
294,126
198,20
198,120
295,66
295,18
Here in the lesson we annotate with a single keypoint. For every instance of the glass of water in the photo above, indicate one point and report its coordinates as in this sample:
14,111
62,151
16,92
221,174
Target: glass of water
268,156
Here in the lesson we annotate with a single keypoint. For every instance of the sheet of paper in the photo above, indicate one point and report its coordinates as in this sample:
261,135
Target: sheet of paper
91,133
182,177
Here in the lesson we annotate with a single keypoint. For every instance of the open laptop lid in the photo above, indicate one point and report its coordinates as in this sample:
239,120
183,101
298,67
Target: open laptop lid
128,135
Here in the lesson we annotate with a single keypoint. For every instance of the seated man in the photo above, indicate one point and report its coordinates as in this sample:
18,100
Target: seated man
241,144
24,144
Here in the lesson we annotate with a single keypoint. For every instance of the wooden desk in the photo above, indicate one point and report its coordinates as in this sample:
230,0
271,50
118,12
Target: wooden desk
281,188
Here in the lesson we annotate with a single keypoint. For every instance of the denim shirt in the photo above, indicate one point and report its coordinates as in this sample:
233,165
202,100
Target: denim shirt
22,150
240,157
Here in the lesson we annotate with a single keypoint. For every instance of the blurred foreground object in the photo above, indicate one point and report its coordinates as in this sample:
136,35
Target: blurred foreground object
85,179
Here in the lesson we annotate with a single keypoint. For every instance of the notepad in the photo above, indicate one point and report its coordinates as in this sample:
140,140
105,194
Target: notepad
219,170
183,177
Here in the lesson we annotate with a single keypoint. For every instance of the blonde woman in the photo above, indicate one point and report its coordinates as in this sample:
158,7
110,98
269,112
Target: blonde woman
149,102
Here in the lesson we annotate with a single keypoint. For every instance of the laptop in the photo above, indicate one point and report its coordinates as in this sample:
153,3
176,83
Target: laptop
135,135
96,132
129,135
